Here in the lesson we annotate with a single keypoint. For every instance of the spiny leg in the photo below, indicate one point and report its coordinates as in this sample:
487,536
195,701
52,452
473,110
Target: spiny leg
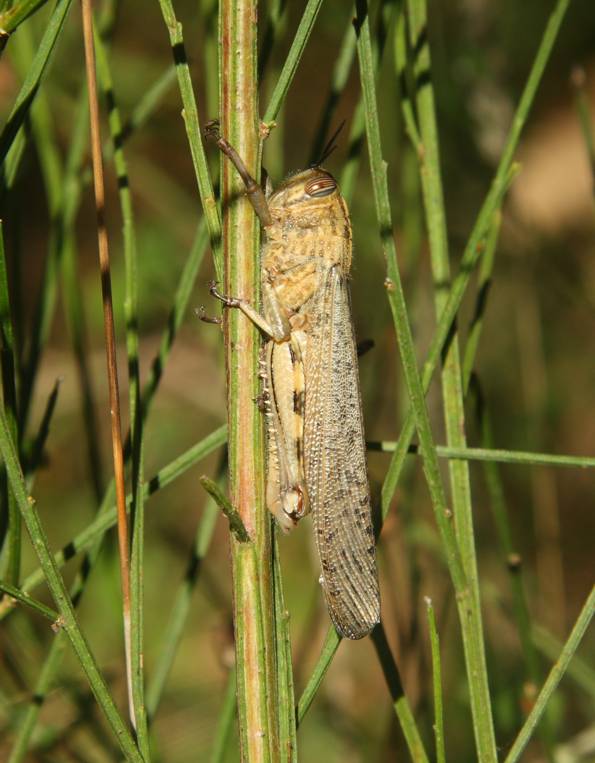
278,330
245,307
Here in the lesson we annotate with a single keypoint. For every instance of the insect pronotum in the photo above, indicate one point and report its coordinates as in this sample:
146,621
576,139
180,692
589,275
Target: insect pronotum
316,450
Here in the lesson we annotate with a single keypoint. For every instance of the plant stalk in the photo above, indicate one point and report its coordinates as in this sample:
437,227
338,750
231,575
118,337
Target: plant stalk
452,384
110,340
251,562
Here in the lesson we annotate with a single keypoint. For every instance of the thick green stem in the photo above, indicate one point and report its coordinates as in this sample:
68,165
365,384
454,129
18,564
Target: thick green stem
251,562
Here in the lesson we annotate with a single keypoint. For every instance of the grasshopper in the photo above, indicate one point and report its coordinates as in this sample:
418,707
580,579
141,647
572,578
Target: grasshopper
316,451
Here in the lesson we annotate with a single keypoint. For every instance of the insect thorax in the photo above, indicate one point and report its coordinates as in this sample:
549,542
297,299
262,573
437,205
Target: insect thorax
303,242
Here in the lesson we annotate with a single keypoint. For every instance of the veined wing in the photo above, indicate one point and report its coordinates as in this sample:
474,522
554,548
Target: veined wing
335,464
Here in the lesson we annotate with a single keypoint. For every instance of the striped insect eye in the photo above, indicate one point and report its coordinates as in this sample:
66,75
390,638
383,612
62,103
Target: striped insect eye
320,186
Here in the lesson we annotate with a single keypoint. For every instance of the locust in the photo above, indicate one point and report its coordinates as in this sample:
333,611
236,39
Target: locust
315,437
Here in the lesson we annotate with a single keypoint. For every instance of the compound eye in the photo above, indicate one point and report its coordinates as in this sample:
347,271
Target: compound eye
321,186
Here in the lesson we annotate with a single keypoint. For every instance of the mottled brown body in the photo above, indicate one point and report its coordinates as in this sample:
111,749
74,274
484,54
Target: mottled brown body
316,449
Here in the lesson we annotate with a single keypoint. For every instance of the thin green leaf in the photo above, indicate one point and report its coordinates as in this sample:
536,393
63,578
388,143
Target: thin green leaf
580,670
483,289
236,526
11,542
107,519
428,153
294,56
34,76
29,601
13,16
397,303
436,683
471,256
43,686
60,595
181,606
42,435
553,679
400,703
341,71
496,455
137,509
504,174
25,54
176,315
328,651
225,721
285,691
190,115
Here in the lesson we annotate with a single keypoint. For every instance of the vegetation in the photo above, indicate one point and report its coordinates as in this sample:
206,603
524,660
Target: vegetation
467,162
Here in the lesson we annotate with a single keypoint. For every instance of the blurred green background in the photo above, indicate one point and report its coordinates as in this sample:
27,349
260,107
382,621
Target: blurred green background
536,367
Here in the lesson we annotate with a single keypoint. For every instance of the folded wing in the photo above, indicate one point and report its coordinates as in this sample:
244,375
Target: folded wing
335,464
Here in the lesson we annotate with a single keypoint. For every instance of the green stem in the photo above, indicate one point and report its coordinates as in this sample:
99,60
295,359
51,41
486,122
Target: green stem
107,519
73,299
452,385
294,56
28,601
253,599
269,69
190,115
341,71
12,569
32,81
146,106
484,282
510,556
225,721
181,606
25,54
396,299
553,679
285,687
43,685
35,456
500,455
60,595
400,703
328,651
176,314
136,424
13,16
437,684
580,670
504,174
236,526
471,256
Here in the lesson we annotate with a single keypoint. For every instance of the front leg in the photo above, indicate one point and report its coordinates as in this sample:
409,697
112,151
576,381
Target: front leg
253,190
279,330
